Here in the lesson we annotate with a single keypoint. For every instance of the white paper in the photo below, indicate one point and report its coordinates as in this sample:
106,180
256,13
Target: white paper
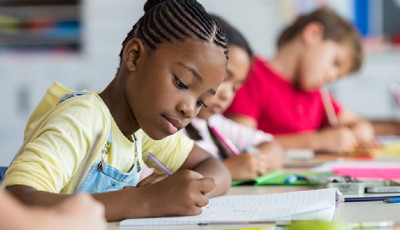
301,205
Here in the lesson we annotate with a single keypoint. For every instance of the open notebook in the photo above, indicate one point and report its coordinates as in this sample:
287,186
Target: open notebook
241,209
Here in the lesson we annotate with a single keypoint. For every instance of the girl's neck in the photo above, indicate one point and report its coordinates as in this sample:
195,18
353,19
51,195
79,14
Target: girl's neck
117,103
285,61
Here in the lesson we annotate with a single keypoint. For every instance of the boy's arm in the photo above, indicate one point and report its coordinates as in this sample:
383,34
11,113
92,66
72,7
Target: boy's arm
338,139
207,165
386,127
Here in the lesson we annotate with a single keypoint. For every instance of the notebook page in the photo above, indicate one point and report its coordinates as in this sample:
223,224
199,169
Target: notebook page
312,204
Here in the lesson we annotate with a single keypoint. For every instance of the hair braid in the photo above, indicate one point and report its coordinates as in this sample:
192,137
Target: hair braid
168,20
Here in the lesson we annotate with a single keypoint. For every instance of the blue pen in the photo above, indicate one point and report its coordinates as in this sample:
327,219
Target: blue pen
291,179
304,178
392,200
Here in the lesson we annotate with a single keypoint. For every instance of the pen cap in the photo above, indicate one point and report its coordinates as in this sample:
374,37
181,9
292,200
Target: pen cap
316,225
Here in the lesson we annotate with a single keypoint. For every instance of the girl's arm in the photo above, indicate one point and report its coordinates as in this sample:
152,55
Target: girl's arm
183,193
204,163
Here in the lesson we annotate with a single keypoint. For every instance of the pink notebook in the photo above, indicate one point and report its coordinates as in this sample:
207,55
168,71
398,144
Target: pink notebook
386,173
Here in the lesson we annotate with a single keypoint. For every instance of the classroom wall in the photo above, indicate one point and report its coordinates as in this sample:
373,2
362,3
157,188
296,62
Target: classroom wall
25,77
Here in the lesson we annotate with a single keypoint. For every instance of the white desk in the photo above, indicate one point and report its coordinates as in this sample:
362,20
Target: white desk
345,212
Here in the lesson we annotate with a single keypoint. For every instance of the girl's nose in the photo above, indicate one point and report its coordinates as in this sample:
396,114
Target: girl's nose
187,110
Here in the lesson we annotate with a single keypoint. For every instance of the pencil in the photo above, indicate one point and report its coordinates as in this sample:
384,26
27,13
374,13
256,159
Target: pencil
228,143
329,110
159,164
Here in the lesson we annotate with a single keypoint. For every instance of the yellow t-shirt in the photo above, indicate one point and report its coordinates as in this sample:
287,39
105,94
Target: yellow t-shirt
58,138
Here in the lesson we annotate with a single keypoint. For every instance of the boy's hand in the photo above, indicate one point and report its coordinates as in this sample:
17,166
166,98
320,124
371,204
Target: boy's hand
338,139
364,133
247,166
183,193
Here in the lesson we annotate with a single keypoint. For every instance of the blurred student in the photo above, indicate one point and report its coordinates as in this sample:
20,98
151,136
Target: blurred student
172,62
269,154
80,212
283,96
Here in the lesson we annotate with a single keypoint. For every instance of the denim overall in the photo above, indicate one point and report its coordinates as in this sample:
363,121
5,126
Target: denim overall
103,177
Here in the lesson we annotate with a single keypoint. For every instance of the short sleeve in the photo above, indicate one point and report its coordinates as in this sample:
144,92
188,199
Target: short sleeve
50,158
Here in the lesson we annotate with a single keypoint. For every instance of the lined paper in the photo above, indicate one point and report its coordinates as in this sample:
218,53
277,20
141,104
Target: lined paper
235,209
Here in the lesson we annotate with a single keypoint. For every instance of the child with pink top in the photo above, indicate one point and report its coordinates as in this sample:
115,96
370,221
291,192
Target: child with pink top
283,96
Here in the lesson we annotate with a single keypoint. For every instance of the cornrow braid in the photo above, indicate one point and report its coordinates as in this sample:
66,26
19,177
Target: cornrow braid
169,20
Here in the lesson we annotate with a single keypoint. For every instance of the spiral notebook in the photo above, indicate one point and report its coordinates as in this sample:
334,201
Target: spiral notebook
243,209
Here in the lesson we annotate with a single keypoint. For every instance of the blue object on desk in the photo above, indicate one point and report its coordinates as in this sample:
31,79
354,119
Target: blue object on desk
392,200
295,177
368,198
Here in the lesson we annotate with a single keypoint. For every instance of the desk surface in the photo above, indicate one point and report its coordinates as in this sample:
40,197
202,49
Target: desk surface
349,212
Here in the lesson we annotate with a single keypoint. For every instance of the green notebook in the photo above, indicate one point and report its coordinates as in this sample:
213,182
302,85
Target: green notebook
278,178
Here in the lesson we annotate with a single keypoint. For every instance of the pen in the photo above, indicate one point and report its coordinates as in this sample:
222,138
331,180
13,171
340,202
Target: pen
370,198
86,163
330,111
234,150
296,177
392,200
159,164
291,179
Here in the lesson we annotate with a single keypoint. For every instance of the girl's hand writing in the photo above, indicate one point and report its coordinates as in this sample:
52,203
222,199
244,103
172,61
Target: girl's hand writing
181,194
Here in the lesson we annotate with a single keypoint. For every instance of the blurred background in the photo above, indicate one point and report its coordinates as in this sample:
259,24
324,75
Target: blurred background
77,44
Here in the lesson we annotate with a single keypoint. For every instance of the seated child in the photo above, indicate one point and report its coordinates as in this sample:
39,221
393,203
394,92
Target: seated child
283,96
242,166
172,62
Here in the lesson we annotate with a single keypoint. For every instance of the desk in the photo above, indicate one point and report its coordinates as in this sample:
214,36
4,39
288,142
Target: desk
345,212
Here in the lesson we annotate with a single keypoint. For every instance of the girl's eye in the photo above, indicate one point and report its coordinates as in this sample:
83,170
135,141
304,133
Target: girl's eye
179,84
201,103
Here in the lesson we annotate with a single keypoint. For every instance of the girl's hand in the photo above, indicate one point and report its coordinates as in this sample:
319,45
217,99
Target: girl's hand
153,178
183,193
247,166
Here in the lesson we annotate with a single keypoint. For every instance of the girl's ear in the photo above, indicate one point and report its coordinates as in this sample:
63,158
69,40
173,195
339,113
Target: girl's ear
132,52
312,33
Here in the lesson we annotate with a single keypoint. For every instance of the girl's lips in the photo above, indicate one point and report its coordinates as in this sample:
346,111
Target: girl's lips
171,125
216,109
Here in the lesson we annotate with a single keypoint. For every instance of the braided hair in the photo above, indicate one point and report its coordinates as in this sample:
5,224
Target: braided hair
170,20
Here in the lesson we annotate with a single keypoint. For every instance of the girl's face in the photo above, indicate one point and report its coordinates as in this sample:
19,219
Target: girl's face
172,83
236,73
322,63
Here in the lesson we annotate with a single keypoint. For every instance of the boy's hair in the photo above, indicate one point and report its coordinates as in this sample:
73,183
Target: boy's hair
169,20
234,35
336,28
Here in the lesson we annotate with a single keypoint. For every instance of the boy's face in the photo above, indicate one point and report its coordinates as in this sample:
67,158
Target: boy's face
322,63
236,73
172,83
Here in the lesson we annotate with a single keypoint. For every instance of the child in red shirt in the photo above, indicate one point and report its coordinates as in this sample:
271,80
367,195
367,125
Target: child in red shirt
282,96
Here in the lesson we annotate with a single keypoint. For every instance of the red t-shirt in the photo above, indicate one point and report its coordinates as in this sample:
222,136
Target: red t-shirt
277,106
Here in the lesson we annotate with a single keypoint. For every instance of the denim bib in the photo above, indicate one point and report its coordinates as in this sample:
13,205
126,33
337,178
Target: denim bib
102,177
